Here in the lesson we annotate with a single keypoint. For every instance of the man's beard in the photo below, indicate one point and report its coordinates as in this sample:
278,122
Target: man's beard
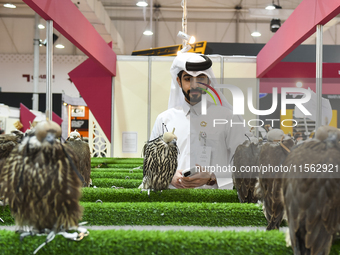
193,98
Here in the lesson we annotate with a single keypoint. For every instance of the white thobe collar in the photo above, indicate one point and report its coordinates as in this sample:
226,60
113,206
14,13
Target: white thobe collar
195,109
186,108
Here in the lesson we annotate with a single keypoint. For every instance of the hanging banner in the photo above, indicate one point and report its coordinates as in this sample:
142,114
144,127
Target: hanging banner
198,47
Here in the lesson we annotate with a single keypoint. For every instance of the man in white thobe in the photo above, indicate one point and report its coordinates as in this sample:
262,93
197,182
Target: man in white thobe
200,143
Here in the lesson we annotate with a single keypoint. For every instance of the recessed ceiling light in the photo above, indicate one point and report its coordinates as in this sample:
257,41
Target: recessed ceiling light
41,26
8,5
60,46
142,4
147,32
256,34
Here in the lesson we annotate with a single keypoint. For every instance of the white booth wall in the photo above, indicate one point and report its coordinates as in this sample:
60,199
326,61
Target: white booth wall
15,67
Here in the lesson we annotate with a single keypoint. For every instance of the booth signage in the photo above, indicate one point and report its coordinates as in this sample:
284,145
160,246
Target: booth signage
198,47
80,124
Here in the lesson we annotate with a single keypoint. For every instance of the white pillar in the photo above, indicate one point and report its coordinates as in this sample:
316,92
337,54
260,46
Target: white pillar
149,97
112,115
49,68
35,99
151,9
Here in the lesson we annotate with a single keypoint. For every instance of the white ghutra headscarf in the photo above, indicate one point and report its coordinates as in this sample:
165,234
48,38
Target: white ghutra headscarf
176,98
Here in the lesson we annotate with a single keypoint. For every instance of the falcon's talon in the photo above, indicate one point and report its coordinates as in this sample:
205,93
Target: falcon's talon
25,234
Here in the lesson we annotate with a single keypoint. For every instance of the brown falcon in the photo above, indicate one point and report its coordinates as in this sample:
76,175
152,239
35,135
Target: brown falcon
272,155
9,141
246,154
160,162
312,193
7,144
82,149
39,181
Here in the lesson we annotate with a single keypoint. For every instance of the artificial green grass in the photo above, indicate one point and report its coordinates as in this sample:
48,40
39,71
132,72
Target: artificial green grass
5,214
155,242
108,183
174,213
116,170
151,242
127,166
117,160
174,195
114,175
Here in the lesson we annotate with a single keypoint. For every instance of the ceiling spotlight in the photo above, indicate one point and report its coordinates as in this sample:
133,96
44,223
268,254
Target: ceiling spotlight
55,38
184,50
255,34
142,4
147,32
270,7
60,46
275,24
192,39
41,26
184,36
9,5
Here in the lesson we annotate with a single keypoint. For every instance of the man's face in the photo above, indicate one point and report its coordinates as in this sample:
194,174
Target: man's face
190,86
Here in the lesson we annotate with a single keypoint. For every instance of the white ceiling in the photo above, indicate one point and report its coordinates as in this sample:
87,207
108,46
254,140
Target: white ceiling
208,20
